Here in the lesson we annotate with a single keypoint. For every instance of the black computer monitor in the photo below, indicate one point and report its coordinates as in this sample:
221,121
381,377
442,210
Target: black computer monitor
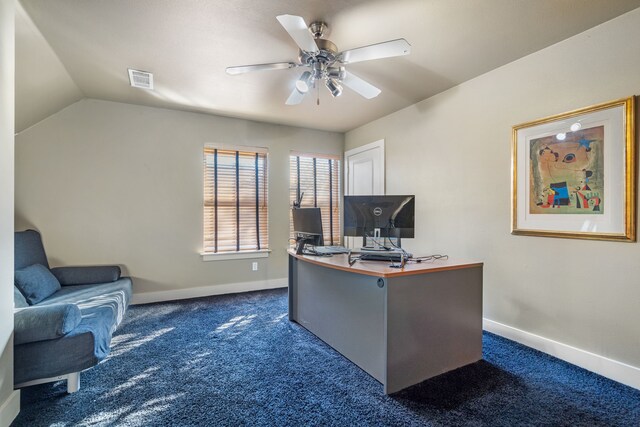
307,227
379,216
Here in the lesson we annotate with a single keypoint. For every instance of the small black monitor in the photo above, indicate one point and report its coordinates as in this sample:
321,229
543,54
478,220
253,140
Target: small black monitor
307,226
379,216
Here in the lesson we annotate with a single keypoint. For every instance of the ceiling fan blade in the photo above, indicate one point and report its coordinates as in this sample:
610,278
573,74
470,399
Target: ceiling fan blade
299,32
360,86
260,67
387,49
295,98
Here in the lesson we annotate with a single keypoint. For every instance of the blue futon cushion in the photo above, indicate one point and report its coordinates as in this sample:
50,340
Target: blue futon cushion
18,299
86,275
45,322
36,283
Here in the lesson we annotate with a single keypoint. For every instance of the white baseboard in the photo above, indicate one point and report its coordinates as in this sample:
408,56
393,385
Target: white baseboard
205,291
612,369
10,409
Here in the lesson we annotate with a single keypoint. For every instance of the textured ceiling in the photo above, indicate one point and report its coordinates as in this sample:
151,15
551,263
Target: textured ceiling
43,86
187,44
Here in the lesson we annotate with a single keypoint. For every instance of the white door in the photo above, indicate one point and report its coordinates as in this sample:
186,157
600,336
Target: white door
364,175
365,169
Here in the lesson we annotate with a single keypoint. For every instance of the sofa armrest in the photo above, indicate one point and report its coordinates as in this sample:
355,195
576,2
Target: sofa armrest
48,322
86,275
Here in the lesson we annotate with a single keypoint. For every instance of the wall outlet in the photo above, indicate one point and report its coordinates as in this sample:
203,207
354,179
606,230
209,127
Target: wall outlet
254,266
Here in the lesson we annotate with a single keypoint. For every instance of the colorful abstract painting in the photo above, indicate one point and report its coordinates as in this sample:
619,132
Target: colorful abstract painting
567,173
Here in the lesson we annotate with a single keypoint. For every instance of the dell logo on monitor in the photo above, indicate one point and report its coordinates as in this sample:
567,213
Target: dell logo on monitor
377,211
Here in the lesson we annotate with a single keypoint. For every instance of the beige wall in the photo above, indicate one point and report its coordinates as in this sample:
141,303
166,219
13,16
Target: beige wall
9,404
115,183
453,152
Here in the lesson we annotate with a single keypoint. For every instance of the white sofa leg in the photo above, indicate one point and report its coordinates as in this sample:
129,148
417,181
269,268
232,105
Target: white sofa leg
73,382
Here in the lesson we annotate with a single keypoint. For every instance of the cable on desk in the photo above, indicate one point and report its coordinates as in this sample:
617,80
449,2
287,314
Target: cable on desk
429,258
386,248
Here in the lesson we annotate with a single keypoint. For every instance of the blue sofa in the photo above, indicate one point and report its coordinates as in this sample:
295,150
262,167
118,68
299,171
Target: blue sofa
64,317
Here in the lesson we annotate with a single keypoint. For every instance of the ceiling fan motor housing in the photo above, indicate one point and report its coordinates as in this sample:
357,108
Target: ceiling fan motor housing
321,61
327,53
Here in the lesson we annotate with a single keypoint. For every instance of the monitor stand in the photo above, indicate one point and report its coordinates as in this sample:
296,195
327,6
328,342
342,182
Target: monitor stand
301,241
300,246
377,243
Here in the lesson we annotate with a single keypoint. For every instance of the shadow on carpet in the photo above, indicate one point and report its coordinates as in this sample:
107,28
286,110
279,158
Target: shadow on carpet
236,360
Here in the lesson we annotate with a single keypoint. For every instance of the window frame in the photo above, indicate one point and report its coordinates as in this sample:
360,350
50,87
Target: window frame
329,238
261,250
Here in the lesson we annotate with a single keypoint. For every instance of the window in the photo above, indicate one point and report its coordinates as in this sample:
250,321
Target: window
318,177
235,199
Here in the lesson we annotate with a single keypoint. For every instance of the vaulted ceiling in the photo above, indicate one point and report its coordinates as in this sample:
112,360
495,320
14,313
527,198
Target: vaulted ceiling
68,49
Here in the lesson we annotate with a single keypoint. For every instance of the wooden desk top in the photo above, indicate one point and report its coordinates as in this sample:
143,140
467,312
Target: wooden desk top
382,269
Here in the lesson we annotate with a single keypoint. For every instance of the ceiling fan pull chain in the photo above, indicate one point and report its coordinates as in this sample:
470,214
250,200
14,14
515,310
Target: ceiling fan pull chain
318,92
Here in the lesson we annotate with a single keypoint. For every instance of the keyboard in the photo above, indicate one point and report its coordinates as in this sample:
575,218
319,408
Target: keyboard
392,256
329,250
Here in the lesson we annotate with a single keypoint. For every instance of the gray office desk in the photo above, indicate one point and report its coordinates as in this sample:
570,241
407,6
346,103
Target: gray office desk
399,326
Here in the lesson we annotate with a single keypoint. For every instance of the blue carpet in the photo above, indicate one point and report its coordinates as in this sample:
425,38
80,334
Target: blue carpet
236,360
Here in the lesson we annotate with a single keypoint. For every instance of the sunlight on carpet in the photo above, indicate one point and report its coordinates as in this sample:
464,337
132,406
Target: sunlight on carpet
237,360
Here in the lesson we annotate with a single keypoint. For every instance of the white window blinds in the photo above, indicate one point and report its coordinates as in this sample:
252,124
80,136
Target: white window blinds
235,199
318,177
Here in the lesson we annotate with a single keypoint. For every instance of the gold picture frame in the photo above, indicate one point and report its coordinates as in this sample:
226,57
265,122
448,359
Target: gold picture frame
574,174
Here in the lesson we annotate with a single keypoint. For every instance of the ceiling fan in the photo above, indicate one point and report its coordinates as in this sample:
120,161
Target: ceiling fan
324,62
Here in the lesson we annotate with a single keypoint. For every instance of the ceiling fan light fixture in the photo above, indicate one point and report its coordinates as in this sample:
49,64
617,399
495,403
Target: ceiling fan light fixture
334,87
304,82
338,73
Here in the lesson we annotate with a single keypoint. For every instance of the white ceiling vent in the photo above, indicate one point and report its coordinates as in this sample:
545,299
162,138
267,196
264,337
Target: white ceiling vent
141,79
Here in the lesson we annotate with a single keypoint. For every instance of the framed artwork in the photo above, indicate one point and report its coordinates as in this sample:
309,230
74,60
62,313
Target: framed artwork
574,174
